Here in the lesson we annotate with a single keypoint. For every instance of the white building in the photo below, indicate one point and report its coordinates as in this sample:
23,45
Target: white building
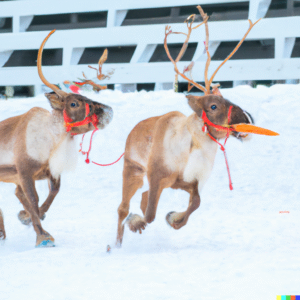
133,32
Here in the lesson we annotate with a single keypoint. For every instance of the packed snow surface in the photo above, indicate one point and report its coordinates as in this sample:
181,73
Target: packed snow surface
237,245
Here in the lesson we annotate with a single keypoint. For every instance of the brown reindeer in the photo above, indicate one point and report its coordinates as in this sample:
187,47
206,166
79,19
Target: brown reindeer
40,145
175,151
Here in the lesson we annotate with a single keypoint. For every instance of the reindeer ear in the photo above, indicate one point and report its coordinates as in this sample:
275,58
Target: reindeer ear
196,104
56,101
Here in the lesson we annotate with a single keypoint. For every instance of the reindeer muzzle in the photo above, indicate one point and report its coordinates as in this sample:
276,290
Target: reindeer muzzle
241,128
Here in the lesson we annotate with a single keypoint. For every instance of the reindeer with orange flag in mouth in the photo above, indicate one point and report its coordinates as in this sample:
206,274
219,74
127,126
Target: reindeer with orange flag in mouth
176,151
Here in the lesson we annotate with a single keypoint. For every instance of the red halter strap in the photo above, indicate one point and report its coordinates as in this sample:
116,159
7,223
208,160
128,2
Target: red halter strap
207,123
69,124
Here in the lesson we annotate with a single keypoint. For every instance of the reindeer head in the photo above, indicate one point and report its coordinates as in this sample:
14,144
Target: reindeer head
219,115
80,113
221,112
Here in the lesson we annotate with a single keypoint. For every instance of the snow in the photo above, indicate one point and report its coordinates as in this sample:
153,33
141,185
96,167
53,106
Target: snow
237,245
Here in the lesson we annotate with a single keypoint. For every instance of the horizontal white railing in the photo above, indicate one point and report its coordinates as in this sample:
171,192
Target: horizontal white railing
145,38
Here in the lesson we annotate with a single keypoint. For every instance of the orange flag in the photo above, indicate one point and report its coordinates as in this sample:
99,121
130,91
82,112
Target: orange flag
248,128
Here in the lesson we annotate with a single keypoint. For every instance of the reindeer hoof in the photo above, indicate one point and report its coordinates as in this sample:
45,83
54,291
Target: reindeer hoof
2,235
136,223
174,219
44,240
24,217
43,244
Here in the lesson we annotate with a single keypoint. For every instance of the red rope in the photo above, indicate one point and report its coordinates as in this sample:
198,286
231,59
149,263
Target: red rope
225,156
69,124
219,127
105,165
87,160
90,148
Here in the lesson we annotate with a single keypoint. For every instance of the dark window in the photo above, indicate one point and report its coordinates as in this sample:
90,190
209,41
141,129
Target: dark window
27,58
183,86
283,8
145,86
110,86
68,21
162,15
18,91
278,4
115,54
5,25
263,82
148,13
160,55
248,50
219,12
296,49
297,3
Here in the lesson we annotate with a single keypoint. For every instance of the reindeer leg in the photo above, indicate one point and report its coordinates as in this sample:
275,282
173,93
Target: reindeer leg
29,198
54,185
178,220
2,229
136,222
144,202
150,201
24,215
157,182
132,181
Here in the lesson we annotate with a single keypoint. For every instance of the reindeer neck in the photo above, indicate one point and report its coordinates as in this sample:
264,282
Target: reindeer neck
200,139
57,116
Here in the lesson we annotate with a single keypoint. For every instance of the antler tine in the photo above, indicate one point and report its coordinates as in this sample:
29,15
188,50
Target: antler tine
205,17
168,31
234,50
189,22
39,66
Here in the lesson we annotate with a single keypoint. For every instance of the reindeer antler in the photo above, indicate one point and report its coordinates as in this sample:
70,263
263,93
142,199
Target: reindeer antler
234,50
100,75
189,21
208,82
39,66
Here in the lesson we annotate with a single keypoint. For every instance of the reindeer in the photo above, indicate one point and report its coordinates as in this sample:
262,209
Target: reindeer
40,145
175,151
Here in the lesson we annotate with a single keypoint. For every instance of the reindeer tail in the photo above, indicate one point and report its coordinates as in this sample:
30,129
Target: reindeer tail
2,229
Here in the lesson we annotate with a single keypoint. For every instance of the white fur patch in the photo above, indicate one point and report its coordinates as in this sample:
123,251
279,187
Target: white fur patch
64,157
135,156
40,138
177,141
199,166
6,157
47,141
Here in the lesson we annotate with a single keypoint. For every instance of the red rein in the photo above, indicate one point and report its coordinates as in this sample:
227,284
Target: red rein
94,120
69,124
207,123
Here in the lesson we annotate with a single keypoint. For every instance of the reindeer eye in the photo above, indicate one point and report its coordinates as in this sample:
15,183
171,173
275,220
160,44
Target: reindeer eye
73,104
213,107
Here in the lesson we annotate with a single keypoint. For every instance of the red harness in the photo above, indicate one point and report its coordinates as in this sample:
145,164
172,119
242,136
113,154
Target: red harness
207,123
69,124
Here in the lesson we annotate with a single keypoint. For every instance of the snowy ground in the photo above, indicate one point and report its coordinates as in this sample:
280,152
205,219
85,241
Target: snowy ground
236,245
